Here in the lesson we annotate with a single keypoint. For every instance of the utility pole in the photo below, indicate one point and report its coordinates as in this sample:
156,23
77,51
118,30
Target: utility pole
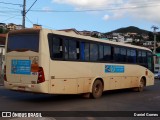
24,14
154,51
154,32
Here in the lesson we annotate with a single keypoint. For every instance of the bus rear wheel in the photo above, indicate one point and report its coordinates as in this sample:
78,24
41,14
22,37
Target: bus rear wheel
97,89
141,85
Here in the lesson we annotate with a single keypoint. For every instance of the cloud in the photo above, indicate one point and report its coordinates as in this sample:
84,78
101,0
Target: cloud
106,17
116,9
83,4
148,11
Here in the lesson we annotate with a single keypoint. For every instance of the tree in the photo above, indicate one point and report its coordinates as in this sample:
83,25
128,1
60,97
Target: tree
1,30
151,36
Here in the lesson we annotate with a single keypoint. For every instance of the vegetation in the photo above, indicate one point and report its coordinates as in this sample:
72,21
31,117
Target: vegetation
130,29
3,31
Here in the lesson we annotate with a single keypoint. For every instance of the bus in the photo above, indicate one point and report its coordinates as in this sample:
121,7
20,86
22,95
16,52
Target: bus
57,62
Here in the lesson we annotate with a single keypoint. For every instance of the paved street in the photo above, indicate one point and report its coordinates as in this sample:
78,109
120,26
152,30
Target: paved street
119,100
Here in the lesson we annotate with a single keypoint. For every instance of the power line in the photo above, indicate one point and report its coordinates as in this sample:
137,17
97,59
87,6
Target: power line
92,10
11,3
6,11
31,6
29,20
9,8
24,12
9,18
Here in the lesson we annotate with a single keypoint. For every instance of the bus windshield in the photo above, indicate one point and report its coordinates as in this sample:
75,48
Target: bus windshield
23,42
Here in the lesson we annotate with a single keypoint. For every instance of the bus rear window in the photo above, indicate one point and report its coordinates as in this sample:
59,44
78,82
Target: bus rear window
23,42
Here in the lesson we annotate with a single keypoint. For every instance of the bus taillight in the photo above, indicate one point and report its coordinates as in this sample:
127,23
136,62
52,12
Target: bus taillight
5,77
41,77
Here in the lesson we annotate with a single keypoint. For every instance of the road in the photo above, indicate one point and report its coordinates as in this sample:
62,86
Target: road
118,100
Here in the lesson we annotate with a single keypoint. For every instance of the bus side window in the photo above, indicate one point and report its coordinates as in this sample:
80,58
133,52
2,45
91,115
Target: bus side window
82,51
72,49
93,52
107,53
122,55
144,58
133,56
150,65
116,54
139,57
65,49
86,51
101,51
57,48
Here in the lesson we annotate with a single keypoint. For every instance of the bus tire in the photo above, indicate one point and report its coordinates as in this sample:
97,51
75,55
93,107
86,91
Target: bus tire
97,89
141,85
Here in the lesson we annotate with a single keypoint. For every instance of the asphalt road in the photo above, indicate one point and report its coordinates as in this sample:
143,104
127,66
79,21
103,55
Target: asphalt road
118,100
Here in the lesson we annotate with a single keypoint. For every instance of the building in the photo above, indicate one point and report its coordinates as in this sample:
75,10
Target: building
85,33
19,27
2,52
2,39
3,25
36,26
72,30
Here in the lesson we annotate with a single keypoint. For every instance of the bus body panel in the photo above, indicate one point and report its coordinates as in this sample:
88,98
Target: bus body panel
82,75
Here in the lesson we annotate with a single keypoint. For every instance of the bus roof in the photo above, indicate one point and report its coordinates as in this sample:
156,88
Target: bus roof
31,30
93,39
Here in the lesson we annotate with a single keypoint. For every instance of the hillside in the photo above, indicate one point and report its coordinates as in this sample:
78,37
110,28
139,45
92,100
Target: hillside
130,29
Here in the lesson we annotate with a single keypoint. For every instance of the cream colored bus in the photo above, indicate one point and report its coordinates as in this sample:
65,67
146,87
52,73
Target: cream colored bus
57,62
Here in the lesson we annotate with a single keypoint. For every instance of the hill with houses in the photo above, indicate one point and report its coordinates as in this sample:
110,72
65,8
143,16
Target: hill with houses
131,35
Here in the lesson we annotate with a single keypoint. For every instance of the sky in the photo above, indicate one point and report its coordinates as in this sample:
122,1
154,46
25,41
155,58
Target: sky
92,15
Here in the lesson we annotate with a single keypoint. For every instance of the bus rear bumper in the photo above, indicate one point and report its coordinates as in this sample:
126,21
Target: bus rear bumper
35,88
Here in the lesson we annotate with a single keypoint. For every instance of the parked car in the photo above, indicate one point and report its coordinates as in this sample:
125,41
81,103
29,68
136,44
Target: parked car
157,75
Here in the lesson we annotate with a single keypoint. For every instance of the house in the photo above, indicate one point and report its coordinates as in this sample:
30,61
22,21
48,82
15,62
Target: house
36,26
11,26
19,27
2,39
85,33
3,25
2,52
72,30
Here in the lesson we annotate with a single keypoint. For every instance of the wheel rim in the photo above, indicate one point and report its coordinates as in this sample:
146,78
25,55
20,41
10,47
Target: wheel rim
97,89
141,86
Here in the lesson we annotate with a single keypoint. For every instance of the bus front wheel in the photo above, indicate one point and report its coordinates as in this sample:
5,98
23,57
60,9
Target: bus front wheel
141,85
97,89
